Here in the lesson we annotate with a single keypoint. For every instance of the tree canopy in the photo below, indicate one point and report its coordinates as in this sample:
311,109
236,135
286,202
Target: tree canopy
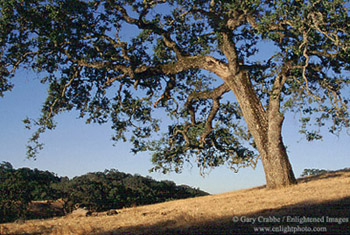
120,61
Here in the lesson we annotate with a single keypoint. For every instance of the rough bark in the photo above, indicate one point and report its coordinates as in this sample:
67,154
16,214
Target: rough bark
265,126
266,129
278,170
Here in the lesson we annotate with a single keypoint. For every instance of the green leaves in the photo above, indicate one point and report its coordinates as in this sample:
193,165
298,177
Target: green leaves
121,62
98,191
313,172
4,85
18,187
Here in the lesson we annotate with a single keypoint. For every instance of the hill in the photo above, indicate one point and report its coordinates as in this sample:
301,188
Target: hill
97,191
318,204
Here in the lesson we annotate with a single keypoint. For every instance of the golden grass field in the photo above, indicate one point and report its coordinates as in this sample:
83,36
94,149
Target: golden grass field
324,200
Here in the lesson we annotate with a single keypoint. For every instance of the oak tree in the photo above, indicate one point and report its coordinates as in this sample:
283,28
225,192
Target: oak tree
120,61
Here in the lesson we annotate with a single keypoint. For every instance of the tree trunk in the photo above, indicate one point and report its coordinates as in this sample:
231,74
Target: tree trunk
278,170
265,126
266,129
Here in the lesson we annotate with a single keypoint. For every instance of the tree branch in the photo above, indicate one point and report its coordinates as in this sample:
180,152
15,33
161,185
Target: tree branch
215,95
229,49
141,23
208,124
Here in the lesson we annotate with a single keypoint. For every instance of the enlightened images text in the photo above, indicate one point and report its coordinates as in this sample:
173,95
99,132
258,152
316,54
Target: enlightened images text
289,219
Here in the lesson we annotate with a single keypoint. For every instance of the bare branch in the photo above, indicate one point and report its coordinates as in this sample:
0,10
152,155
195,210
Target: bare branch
229,49
118,44
280,26
215,95
208,124
63,92
15,66
143,25
167,92
305,45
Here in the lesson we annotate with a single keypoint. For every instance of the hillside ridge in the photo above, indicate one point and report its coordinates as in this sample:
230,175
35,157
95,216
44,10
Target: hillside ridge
35,194
316,203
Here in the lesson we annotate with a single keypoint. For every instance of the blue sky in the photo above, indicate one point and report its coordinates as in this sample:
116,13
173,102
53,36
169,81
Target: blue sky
75,148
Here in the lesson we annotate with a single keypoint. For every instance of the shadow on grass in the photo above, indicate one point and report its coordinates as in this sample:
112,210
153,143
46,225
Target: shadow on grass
332,217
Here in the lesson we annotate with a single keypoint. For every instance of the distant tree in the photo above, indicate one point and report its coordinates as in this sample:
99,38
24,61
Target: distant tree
87,191
121,60
15,193
41,182
100,191
309,172
5,166
18,187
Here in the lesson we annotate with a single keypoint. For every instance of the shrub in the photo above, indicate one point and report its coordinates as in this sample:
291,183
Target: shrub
308,172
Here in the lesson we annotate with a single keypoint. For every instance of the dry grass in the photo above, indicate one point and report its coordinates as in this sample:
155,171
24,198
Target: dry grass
325,195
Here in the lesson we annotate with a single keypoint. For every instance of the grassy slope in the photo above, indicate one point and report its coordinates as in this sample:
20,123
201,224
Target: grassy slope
314,197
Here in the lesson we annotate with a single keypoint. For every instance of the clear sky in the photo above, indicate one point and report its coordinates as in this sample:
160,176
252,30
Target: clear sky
75,148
